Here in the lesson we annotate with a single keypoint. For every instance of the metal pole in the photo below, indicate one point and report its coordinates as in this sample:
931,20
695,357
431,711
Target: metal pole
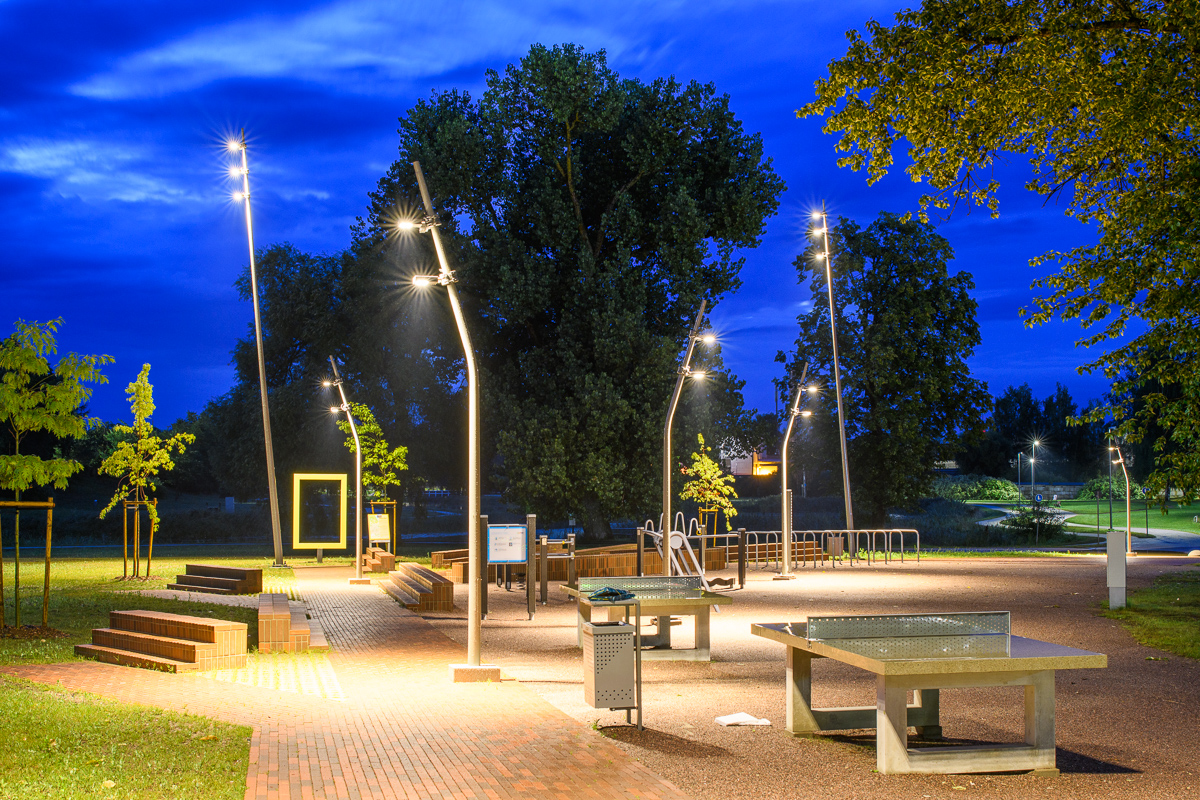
272,490
1110,510
1128,504
474,609
337,381
665,527
530,563
837,374
786,521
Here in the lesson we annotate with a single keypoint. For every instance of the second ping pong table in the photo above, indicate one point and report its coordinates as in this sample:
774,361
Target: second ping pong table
925,653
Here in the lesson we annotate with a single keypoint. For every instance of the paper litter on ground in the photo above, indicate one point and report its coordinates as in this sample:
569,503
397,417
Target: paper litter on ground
741,718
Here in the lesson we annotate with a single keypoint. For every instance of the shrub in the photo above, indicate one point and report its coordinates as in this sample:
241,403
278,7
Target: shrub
975,487
1099,487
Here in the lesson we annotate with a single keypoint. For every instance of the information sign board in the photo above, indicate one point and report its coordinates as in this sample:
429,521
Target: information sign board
378,528
506,544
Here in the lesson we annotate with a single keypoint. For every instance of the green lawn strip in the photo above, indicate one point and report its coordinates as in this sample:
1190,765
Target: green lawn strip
1166,615
1177,518
83,591
63,745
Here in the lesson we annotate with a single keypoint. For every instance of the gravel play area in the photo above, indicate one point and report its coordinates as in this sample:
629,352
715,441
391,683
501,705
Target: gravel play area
1130,730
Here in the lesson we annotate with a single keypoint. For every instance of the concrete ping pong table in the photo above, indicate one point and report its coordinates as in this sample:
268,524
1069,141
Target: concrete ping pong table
658,596
925,653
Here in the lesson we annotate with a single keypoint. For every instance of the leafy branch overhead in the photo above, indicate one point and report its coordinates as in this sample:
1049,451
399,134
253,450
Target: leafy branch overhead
1103,99
707,485
35,397
137,461
380,461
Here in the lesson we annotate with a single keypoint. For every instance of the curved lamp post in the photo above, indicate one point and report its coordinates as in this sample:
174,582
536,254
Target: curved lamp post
685,371
837,374
1128,502
345,409
786,527
445,277
234,146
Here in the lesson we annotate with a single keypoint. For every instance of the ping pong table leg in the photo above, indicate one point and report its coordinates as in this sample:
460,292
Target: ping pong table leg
798,685
703,647
929,711
891,727
1039,720
584,615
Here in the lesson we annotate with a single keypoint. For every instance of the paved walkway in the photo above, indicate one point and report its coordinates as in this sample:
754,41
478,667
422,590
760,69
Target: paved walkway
402,731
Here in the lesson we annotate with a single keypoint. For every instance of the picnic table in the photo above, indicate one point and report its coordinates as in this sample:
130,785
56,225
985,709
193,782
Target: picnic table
925,653
658,596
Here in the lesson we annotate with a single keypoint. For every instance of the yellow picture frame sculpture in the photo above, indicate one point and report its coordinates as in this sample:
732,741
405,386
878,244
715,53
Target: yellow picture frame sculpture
297,479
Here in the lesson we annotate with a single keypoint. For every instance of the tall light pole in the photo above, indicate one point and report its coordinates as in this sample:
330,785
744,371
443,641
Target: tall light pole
1110,463
345,409
1033,469
685,371
445,277
236,145
1128,501
837,374
786,520
1020,454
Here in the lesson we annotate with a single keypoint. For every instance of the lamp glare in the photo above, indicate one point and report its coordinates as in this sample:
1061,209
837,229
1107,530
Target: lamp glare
406,225
422,281
708,338
334,409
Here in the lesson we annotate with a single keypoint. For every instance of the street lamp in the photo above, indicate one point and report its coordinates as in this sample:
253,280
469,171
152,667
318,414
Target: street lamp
685,371
345,409
1033,469
837,375
1110,463
445,277
234,146
1128,501
785,498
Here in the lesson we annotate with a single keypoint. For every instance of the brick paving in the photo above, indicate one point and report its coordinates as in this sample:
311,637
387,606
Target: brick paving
402,731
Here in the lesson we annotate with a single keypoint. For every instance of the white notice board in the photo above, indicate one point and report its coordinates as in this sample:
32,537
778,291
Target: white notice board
506,544
378,529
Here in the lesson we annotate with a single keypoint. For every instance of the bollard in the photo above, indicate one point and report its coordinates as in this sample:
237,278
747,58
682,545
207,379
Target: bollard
741,558
544,565
482,575
530,571
1116,569
641,548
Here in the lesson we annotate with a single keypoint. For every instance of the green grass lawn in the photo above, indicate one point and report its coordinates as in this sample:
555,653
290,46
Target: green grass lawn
1177,518
1166,615
65,745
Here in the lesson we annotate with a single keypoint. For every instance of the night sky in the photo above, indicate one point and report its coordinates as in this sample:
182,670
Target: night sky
116,211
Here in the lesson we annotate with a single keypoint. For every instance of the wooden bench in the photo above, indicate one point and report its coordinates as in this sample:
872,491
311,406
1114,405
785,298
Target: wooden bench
419,588
167,642
214,579
280,629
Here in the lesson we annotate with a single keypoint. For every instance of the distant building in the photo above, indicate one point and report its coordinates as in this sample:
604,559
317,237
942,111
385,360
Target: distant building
755,464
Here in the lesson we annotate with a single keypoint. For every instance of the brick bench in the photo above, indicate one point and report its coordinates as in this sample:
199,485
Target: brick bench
376,559
214,579
419,588
281,630
167,642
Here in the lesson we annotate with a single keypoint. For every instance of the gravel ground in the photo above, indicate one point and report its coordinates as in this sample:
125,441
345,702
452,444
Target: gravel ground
1130,730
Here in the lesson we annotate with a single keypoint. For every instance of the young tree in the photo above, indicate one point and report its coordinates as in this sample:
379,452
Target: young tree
586,216
380,462
707,485
137,463
35,397
1104,99
905,327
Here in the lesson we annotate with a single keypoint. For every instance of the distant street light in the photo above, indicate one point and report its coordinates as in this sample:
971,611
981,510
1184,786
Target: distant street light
837,375
358,513
445,277
234,146
786,526
685,371
1033,469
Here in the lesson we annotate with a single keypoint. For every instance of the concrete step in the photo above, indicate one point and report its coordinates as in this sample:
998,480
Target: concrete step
400,596
229,584
124,658
187,587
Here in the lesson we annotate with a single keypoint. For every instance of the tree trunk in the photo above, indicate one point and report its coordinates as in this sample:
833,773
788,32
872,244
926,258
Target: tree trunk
597,523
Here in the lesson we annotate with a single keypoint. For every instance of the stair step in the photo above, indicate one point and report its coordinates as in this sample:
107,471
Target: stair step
207,580
229,637
248,578
400,596
150,644
124,658
187,587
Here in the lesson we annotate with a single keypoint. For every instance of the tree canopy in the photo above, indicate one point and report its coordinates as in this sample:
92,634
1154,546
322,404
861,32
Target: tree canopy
36,397
905,327
586,217
1103,98
707,485
380,461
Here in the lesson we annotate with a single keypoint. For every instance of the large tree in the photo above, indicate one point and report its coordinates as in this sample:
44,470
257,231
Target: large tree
905,326
1103,98
586,216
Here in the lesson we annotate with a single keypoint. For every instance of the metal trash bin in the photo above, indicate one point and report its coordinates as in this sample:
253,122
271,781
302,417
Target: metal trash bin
609,680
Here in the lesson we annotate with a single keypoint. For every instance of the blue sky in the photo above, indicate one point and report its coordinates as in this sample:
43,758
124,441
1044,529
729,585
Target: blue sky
116,210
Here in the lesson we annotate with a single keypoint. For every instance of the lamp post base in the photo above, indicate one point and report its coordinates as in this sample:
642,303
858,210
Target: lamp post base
783,577
360,581
465,673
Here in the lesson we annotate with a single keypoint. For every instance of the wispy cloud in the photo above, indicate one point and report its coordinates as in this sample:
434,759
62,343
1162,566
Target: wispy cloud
92,170
354,43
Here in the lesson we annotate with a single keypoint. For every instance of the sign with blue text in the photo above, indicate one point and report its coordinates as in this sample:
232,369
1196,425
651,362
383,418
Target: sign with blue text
506,544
